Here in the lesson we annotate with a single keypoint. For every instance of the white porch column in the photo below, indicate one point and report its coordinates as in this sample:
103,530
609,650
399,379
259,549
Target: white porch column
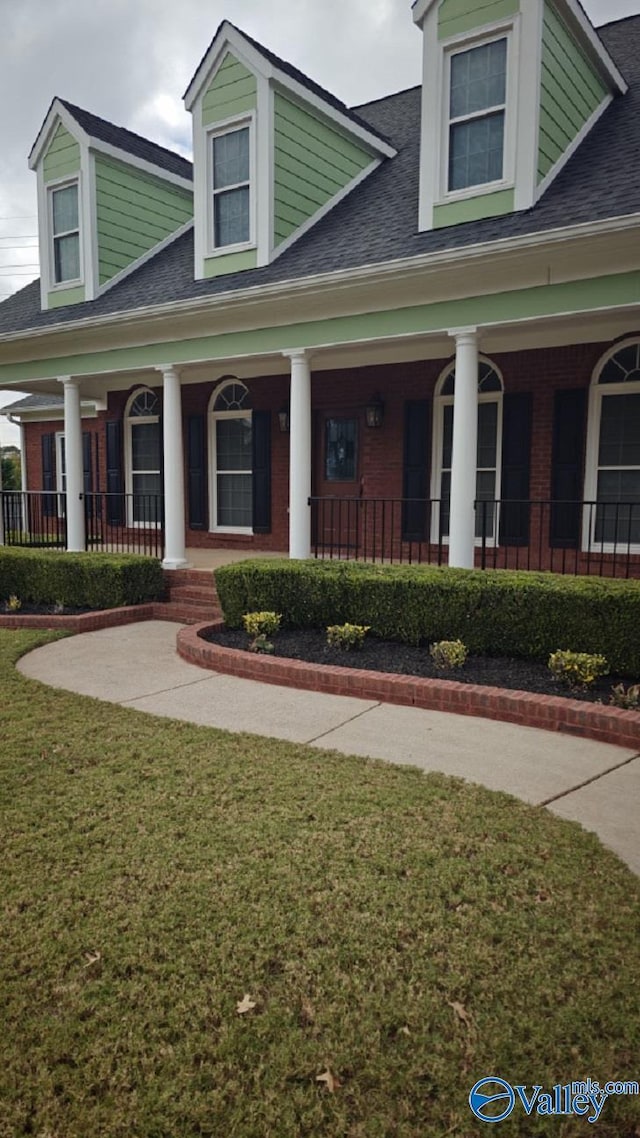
300,456
174,517
465,449
76,542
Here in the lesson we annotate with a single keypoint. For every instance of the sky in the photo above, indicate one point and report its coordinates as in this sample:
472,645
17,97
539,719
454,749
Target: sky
130,61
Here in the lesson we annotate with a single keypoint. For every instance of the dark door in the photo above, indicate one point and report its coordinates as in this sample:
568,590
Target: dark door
338,439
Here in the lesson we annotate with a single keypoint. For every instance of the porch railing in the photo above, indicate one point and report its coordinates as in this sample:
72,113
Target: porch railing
570,537
116,523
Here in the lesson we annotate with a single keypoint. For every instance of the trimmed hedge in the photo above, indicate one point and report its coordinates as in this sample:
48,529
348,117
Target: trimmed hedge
79,580
495,613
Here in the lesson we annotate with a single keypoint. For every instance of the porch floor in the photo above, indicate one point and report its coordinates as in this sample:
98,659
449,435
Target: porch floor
214,558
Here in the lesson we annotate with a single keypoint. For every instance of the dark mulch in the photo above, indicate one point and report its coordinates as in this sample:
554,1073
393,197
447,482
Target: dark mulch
391,656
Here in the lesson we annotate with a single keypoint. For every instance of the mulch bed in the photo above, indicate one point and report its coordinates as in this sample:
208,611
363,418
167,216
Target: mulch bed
405,659
43,610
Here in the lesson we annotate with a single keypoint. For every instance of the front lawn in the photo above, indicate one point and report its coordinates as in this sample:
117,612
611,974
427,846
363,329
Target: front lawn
208,935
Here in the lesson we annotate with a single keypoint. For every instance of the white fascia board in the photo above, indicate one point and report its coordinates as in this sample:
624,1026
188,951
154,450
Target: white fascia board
593,45
140,163
420,10
379,273
346,124
137,264
56,112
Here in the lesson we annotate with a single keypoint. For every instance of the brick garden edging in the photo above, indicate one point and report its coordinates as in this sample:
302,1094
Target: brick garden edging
102,618
551,713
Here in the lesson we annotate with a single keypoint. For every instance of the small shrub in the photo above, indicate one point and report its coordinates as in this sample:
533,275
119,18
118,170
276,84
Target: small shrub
448,654
14,604
627,698
346,636
260,626
577,669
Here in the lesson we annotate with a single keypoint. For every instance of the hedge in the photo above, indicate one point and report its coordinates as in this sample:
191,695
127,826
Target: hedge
495,613
78,580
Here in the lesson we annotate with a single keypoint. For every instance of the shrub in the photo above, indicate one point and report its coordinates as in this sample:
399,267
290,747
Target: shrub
260,626
627,698
14,604
79,580
494,612
448,654
346,636
577,669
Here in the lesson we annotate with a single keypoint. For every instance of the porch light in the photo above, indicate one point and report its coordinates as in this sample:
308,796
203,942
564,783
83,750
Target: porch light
375,411
283,419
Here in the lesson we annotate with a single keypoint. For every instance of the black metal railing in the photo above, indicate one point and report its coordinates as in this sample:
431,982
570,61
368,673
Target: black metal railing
116,523
570,537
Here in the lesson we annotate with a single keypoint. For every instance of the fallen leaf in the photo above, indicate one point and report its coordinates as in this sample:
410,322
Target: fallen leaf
405,1031
92,958
245,1005
461,1012
330,1080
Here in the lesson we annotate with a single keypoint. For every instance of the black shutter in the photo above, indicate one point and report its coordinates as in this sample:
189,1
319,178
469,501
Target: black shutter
196,467
515,510
115,500
415,514
261,434
49,475
87,471
567,468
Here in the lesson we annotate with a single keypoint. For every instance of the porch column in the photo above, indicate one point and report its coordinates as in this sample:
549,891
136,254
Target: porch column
465,447
76,538
300,456
174,518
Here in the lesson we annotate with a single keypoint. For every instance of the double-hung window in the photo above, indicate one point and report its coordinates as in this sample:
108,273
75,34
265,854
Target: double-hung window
231,182
65,233
613,468
477,113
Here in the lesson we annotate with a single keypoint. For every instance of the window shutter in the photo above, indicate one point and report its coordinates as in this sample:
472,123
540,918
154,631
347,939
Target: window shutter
196,467
87,471
515,512
567,468
261,439
115,499
49,475
415,514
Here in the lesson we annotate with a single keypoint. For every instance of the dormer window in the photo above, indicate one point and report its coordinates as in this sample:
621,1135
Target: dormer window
65,233
477,108
231,187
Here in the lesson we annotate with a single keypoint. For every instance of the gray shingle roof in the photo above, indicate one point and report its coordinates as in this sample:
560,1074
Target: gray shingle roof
128,141
34,403
378,221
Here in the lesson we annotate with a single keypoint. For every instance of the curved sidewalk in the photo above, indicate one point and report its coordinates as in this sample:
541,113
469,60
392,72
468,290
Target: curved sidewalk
137,666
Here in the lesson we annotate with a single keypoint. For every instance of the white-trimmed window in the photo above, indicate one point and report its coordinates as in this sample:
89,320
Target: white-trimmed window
231,449
231,189
489,451
64,218
143,458
477,102
613,451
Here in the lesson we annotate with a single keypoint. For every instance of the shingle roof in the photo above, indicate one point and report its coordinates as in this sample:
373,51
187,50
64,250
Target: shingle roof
132,143
34,403
377,222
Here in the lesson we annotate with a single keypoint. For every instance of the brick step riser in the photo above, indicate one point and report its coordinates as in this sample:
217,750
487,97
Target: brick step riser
192,592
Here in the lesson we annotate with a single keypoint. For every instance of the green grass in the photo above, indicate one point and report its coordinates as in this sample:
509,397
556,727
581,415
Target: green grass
154,872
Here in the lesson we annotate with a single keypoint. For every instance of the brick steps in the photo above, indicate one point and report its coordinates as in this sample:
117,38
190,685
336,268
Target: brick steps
190,598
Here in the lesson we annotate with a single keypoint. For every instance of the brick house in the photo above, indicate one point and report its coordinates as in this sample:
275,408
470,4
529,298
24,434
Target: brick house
409,330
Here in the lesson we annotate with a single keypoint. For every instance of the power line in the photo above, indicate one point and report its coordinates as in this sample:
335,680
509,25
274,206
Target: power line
21,217
18,236
25,266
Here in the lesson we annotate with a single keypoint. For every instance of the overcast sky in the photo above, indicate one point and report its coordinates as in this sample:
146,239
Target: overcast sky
130,61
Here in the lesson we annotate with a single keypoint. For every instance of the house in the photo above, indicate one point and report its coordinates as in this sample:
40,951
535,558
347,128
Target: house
409,329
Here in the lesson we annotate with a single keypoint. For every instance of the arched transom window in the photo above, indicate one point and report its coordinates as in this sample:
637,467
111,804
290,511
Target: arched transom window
613,449
143,450
488,454
231,439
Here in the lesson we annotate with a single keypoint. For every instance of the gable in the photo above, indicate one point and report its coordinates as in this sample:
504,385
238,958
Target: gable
62,157
232,91
571,91
312,163
458,16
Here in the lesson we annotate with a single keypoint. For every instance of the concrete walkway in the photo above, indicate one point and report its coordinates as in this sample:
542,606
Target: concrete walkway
137,666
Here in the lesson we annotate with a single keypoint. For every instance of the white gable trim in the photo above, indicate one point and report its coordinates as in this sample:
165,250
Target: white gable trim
571,149
57,113
129,159
595,49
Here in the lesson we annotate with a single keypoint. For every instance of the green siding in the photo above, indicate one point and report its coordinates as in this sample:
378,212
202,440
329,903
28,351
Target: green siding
457,16
312,163
230,263
232,91
570,91
62,296
62,157
473,209
517,304
134,211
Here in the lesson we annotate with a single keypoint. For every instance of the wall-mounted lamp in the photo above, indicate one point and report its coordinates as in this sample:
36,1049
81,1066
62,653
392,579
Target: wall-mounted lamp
375,411
283,420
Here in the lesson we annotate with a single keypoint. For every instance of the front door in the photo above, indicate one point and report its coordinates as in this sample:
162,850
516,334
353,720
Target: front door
338,438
